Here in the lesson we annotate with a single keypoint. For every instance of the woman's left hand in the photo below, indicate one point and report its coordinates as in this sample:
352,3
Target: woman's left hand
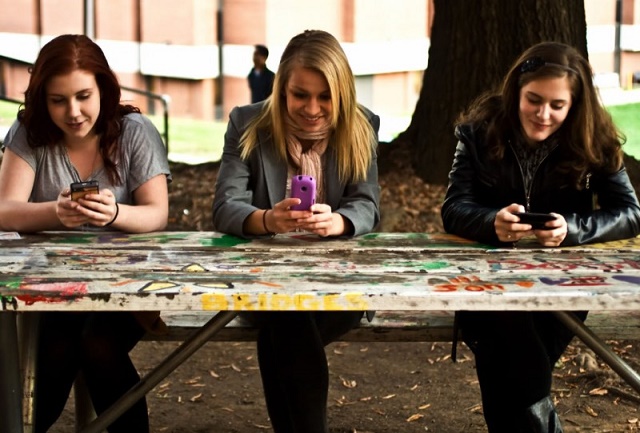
555,234
323,222
99,208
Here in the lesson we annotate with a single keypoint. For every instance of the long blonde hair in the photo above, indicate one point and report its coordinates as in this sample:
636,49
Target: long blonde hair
353,137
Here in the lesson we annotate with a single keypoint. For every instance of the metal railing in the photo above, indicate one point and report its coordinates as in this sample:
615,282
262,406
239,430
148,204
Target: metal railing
164,99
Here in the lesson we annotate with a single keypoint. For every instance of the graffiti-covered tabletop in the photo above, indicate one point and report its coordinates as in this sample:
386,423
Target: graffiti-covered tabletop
382,271
208,271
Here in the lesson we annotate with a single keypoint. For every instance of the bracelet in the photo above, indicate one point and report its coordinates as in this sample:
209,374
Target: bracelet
264,223
114,217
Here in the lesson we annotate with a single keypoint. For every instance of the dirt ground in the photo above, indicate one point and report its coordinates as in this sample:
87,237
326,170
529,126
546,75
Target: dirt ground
374,387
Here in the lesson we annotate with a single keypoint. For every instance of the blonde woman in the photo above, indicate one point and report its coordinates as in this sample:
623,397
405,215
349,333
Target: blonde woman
311,125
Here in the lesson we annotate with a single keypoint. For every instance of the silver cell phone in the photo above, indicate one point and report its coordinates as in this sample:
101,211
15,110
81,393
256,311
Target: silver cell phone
80,189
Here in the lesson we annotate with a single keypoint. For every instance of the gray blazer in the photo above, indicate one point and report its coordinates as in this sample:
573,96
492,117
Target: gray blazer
243,186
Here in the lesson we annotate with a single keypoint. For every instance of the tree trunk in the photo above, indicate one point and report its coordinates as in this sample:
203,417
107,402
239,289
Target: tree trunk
473,43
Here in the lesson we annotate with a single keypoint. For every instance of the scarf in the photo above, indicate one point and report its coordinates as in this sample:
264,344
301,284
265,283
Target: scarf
309,161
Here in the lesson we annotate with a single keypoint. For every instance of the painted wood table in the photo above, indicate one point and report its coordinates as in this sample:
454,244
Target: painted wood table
208,271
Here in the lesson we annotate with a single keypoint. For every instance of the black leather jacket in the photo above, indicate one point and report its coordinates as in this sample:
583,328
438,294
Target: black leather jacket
605,209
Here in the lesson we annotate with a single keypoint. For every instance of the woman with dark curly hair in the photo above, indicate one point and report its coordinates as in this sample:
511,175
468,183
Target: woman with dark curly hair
542,144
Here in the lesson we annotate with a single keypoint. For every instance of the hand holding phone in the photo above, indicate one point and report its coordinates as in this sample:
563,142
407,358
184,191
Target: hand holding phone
537,220
80,189
304,188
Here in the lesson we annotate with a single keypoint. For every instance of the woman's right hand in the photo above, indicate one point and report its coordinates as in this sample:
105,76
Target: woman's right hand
281,219
67,210
508,226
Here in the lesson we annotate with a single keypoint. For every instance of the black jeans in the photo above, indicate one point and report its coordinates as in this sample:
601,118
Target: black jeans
97,344
293,365
515,355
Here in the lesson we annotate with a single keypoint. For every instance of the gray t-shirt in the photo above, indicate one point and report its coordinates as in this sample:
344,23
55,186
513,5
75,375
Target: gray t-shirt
142,156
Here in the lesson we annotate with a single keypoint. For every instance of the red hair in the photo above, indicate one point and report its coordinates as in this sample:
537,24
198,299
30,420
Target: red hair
63,55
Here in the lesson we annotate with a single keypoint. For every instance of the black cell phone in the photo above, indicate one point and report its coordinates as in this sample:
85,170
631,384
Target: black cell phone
537,220
80,189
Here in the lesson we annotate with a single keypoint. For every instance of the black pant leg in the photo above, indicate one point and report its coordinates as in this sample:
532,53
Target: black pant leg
274,391
109,371
554,334
57,365
294,367
513,366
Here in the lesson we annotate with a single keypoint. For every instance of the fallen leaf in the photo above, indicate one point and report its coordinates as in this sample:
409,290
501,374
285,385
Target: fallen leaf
590,411
424,406
213,374
348,383
196,397
598,391
387,397
415,417
475,408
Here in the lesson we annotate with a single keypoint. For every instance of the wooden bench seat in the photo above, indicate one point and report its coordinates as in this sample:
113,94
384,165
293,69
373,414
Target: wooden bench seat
393,326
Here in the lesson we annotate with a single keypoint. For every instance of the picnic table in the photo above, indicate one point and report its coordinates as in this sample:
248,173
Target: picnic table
222,275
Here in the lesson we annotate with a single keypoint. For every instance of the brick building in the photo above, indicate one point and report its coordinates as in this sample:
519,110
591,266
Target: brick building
198,52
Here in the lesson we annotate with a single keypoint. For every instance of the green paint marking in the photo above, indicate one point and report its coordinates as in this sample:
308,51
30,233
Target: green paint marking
421,265
11,282
160,238
79,238
226,241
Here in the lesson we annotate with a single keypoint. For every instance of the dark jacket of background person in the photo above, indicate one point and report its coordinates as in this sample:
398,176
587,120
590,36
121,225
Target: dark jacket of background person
260,84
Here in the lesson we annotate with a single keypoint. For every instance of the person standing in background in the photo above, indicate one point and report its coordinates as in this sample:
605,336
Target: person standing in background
260,78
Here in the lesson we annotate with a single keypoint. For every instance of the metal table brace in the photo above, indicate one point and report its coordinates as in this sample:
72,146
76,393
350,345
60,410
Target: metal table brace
600,348
173,361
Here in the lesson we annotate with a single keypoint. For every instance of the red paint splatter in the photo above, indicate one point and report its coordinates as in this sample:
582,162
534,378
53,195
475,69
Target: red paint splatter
56,292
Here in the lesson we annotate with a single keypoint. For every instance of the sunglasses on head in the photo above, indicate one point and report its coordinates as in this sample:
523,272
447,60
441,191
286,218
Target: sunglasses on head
535,63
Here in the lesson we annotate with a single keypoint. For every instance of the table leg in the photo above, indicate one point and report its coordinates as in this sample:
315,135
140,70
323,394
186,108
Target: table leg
10,380
173,361
28,331
600,348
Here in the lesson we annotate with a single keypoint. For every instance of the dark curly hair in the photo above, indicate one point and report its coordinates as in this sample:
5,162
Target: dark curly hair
588,137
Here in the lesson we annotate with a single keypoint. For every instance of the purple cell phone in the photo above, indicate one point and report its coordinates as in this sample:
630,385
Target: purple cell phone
304,188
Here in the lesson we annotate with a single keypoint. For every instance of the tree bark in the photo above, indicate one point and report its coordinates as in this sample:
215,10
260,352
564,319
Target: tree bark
473,44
